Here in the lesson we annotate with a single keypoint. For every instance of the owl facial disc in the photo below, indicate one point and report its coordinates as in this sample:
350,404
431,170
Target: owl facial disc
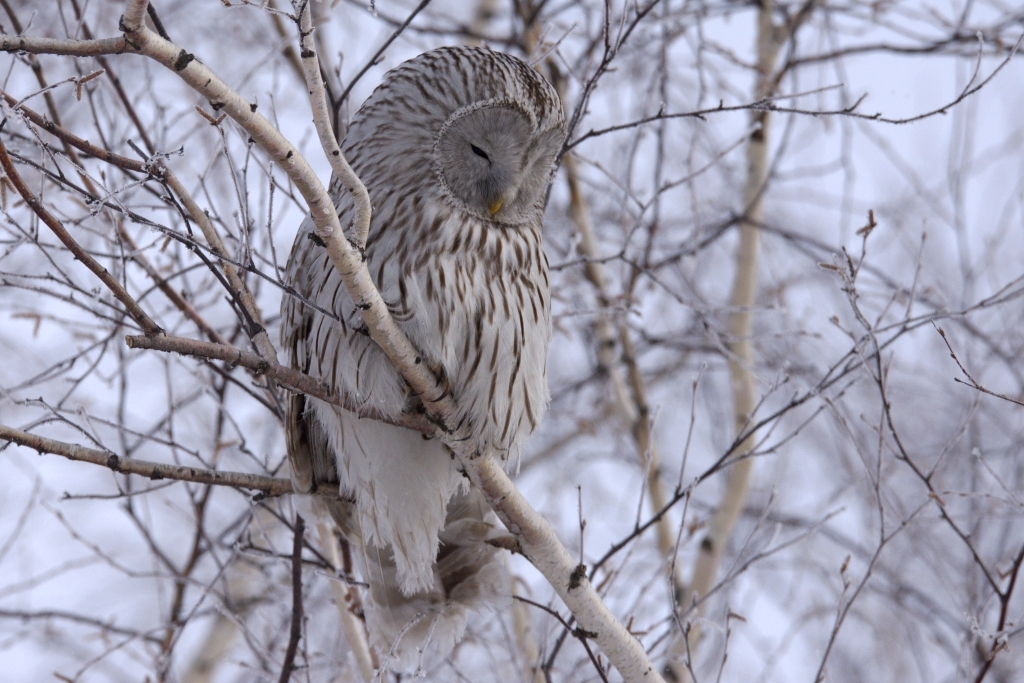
491,159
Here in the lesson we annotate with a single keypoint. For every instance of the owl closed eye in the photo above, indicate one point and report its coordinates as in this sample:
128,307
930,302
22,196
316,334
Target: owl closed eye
495,162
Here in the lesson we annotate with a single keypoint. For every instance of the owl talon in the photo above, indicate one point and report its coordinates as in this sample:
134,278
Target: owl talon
442,381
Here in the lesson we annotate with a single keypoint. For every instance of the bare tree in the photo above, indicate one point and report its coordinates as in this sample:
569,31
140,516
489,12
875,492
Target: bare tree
785,435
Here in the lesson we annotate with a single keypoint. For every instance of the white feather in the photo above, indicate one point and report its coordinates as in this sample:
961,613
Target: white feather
402,484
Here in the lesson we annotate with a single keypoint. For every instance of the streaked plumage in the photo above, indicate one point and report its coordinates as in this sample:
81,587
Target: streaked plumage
456,148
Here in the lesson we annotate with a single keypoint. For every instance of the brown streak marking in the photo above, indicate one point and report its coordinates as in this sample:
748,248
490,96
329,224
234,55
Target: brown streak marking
529,410
494,352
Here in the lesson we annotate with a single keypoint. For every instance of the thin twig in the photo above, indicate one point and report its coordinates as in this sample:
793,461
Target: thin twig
973,382
377,55
296,630
119,292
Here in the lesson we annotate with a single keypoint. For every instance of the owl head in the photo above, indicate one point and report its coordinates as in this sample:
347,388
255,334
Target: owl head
493,160
489,126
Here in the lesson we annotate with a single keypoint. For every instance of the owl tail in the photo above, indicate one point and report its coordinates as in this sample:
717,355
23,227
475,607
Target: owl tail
401,484
469,573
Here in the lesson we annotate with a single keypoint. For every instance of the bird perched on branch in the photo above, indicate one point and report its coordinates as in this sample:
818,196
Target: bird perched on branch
456,148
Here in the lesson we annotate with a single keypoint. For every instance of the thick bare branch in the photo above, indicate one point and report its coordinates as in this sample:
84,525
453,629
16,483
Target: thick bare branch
281,375
271,486
72,48
322,118
347,600
741,352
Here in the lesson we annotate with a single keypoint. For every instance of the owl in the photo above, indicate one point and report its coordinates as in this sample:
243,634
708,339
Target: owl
457,148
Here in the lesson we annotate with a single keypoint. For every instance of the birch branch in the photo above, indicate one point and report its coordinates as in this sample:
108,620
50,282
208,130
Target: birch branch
286,377
346,598
528,649
632,412
537,538
630,401
271,486
741,356
343,173
70,48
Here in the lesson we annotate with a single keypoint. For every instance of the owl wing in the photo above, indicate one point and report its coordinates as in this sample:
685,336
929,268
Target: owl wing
310,456
312,464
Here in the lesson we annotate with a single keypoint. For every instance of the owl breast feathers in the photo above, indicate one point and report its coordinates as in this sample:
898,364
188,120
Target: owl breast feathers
456,148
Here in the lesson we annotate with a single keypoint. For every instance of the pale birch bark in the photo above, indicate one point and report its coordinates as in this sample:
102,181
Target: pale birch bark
343,173
343,598
272,486
218,641
741,355
525,640
536,537
629,400
347,600
482,16
245,584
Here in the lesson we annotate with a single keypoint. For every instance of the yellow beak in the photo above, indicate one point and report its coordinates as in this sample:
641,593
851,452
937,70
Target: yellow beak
496,206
